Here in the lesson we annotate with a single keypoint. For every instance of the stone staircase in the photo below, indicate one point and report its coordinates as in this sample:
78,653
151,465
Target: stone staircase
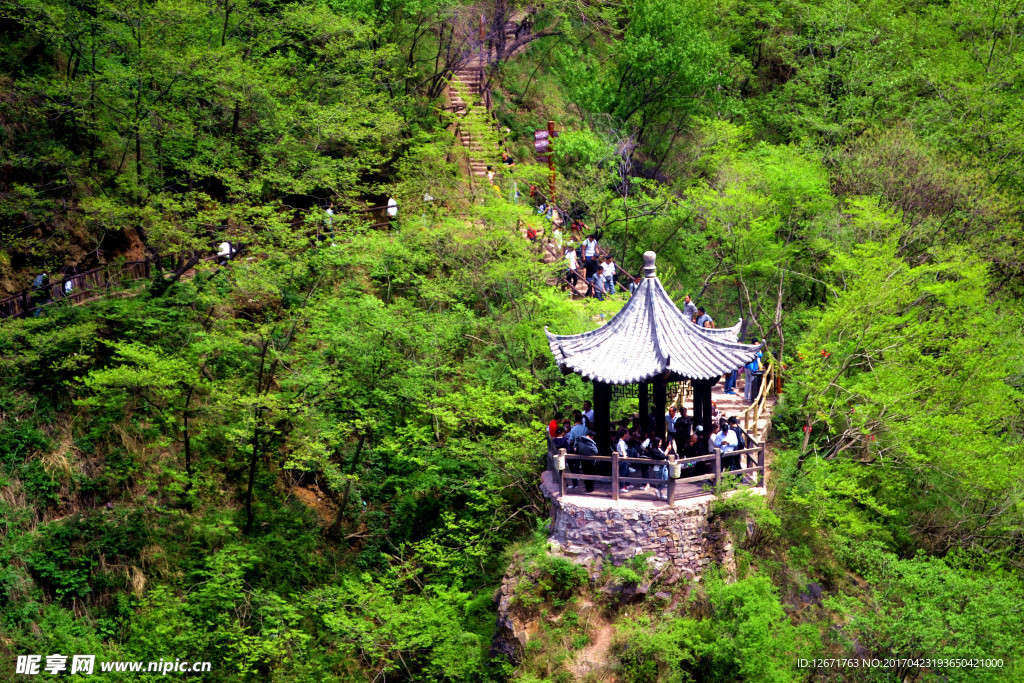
483,145
476,128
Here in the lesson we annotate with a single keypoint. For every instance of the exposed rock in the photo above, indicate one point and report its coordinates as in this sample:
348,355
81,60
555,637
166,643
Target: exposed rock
634,592
813,594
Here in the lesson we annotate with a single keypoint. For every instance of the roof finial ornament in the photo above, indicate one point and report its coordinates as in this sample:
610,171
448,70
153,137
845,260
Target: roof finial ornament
649,257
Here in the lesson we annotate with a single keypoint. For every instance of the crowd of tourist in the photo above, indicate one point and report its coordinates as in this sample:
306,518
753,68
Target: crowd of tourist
683,442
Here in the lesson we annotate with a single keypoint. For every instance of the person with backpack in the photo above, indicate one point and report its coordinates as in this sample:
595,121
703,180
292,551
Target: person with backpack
572,438
587,445
742,438
578,428
749,371
560,440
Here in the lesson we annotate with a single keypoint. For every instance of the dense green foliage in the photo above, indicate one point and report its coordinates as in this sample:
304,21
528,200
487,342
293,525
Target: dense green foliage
317,462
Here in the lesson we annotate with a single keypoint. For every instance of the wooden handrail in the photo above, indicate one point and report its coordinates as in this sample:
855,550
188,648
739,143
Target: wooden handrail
759,402
746,455
94,280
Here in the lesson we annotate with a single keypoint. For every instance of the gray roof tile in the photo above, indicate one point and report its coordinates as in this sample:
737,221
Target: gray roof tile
648,336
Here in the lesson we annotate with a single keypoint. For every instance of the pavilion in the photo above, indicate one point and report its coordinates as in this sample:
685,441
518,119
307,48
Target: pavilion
650,343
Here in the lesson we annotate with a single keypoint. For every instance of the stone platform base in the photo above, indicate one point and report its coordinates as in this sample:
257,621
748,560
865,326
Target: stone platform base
589,529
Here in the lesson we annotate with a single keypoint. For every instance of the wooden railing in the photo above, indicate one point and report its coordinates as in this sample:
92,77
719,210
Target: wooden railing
89,284
751,471
74,288
77,288
755,409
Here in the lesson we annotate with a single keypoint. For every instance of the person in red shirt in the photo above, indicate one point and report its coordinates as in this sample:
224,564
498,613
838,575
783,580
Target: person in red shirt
554,424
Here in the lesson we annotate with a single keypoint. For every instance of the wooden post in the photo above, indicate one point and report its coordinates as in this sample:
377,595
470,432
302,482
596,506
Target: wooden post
659,407
615,475
602,416
672,483
760,466
702,403
718,467
642,392
26,300
551,160
561,473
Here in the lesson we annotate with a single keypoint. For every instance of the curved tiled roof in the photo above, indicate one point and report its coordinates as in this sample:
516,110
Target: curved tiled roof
648,336
731,334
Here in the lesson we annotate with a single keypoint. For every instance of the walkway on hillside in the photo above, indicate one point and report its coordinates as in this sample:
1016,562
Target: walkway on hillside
476,127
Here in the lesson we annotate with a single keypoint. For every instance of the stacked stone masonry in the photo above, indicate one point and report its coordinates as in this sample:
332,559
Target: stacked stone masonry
682,537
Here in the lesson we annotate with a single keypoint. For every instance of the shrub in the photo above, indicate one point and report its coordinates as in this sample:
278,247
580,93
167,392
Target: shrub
746,637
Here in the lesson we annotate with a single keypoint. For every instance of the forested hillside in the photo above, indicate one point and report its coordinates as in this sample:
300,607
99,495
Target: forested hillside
315,461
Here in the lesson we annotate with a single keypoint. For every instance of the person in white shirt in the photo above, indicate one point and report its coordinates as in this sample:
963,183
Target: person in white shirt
556,235
589,247
571,266
729,441
392,207
588,412
224,253
623,450
716,436
608,273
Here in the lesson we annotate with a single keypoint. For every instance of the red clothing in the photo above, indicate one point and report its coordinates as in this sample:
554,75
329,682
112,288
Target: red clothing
552,426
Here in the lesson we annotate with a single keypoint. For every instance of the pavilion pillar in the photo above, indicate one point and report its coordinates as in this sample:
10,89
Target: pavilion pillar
702,402
659,407
644,403
602,417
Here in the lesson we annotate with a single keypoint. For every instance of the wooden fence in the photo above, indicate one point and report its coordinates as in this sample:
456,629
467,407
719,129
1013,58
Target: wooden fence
755,409
750,472
74,288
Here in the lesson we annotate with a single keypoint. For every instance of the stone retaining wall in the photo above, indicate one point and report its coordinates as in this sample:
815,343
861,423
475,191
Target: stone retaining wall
680,537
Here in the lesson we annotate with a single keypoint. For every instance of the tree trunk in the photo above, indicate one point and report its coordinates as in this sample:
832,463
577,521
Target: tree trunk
249,517
348,485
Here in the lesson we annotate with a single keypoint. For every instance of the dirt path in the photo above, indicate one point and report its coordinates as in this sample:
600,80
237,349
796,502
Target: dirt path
595,660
